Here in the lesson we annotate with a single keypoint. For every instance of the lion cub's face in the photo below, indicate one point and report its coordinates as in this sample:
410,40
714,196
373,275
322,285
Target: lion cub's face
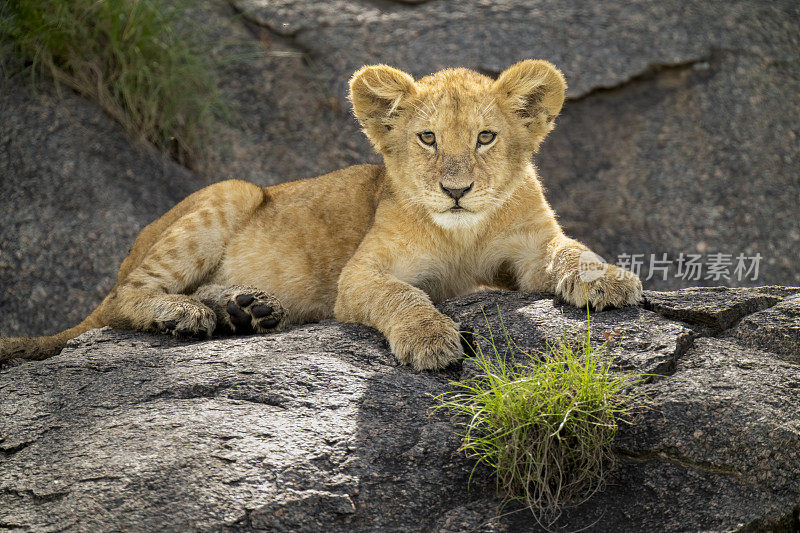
457,143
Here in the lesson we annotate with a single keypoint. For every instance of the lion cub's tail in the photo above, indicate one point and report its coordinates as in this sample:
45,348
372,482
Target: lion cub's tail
36,348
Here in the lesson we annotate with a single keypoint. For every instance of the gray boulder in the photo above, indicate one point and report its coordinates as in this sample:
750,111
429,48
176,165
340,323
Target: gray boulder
775,329
74,192
679,134
318,428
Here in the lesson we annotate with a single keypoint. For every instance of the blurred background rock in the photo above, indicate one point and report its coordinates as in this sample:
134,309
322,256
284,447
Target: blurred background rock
680,133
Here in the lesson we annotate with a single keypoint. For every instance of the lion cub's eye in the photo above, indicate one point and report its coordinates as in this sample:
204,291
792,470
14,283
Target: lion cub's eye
486,137
427,137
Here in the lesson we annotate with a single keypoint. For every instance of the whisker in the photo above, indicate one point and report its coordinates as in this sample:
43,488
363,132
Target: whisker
420,112
487,106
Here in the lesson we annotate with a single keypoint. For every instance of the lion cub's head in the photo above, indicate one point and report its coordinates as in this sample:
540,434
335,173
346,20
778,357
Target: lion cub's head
457,143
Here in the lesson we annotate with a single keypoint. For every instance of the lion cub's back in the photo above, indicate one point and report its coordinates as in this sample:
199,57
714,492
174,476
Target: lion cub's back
296,244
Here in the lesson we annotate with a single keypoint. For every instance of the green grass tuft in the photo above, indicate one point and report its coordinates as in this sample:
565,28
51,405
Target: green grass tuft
545,427
135,58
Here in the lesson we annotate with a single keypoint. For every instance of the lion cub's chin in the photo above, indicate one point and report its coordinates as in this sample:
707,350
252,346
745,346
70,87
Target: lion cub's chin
457,220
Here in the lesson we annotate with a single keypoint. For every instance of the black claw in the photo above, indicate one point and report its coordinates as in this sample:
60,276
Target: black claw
269,323
244,300
260,311
169,325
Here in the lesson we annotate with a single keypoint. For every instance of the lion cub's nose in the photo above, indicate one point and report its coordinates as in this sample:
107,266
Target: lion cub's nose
455,194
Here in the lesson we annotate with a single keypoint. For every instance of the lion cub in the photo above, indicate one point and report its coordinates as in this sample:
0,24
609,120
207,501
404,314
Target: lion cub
457,205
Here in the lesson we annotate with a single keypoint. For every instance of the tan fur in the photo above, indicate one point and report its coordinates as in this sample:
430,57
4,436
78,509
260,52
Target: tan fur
378,245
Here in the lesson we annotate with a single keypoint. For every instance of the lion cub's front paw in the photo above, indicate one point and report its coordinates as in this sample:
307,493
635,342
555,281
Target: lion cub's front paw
186,319
429,343
605,286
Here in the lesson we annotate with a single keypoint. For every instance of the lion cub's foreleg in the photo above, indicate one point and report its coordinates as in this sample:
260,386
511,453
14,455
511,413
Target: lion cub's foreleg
418,334
574,273
579,275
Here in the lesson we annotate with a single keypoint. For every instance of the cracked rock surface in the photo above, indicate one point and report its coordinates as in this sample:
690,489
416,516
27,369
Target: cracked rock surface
318,428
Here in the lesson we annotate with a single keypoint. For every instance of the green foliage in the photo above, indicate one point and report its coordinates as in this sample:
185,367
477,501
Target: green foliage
135,58
545,427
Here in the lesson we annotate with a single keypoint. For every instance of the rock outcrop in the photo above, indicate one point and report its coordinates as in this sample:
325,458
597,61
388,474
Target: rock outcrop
318,428
74,193
679,135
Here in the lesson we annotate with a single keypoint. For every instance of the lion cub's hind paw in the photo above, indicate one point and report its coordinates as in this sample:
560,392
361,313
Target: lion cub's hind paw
250,310
186,320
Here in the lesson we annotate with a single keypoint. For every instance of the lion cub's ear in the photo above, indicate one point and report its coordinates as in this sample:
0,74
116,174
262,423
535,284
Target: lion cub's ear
534,90
377,93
